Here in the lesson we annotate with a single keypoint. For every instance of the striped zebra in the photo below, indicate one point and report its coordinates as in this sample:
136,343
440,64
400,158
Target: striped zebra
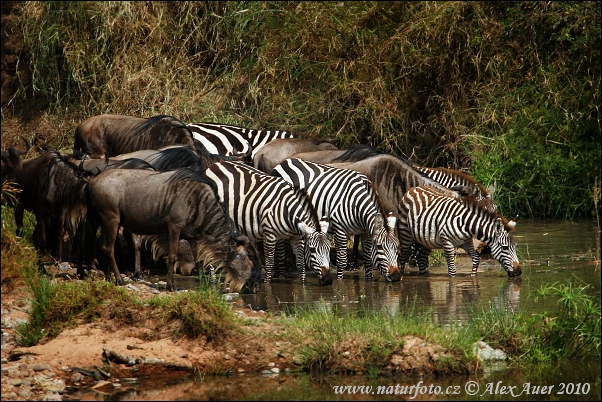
353,207
435,220
455,178
228,140
269,209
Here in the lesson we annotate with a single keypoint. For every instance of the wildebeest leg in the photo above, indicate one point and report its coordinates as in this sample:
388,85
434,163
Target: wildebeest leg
39,233
174,239
19,210
137,240
109,236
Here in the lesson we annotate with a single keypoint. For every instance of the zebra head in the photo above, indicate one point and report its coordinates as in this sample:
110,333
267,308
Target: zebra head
385,247
317,249
503,249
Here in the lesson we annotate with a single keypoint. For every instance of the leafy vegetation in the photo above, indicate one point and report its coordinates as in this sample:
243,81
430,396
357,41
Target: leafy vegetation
508,91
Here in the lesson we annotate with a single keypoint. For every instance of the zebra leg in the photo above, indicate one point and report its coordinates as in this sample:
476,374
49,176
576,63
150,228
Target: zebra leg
405,243
340,242
476,259
280,267
450,257
366,256
422,259
269,247
299,251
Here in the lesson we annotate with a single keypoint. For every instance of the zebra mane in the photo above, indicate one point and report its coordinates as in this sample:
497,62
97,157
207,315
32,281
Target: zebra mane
304,199
471,202
357,152
462,177
377,199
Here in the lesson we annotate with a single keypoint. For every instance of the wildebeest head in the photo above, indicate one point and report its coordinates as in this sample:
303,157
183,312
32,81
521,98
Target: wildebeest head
11,161
243,269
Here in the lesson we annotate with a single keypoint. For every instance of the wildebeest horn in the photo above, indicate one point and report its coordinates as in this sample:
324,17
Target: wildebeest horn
27,144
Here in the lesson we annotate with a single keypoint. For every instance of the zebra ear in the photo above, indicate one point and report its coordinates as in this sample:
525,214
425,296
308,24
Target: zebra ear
391,221
512,222
324,224
305,228
491,189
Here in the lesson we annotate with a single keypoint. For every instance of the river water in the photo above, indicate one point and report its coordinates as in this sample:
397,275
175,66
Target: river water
549,251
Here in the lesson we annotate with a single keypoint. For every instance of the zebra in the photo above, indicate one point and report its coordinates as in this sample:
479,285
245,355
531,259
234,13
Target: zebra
268,209
353,207
435,220
228,140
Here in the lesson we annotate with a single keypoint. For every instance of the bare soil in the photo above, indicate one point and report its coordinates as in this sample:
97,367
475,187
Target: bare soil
156,353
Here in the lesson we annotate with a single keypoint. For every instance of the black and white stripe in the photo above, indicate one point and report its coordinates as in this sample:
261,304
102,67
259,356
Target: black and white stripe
269,209
228,140
456,179
353,207
435,220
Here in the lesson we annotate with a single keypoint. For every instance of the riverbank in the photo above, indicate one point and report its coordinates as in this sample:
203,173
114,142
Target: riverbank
106,354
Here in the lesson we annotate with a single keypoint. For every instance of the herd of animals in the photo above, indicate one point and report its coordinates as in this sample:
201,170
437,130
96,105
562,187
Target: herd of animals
242,200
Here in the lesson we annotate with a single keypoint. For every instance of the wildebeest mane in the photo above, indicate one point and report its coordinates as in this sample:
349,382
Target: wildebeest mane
151,121
357,152
132,163
177,157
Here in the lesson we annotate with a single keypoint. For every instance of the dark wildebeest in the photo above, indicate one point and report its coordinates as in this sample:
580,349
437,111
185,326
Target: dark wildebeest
275,152
11,161
112,135
164,159
54,190
177,204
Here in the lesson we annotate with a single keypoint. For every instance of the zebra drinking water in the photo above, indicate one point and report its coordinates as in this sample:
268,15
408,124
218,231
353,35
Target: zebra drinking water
353,207
269,209
435,220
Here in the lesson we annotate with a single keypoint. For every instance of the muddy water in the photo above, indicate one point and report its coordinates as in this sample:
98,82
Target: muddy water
549,252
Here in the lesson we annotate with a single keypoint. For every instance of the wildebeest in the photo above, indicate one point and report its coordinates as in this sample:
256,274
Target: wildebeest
178,204
54,190
435,220
112,135
164,159
276,151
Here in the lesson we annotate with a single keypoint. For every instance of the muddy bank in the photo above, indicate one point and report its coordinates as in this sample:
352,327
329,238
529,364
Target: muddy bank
107,355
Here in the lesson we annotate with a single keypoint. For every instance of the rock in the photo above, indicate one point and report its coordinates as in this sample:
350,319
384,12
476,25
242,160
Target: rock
101,384
77,377
152,360
485,352
266,372
275,370
64,267
41,367
52,396
24,392
49,384
9,395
